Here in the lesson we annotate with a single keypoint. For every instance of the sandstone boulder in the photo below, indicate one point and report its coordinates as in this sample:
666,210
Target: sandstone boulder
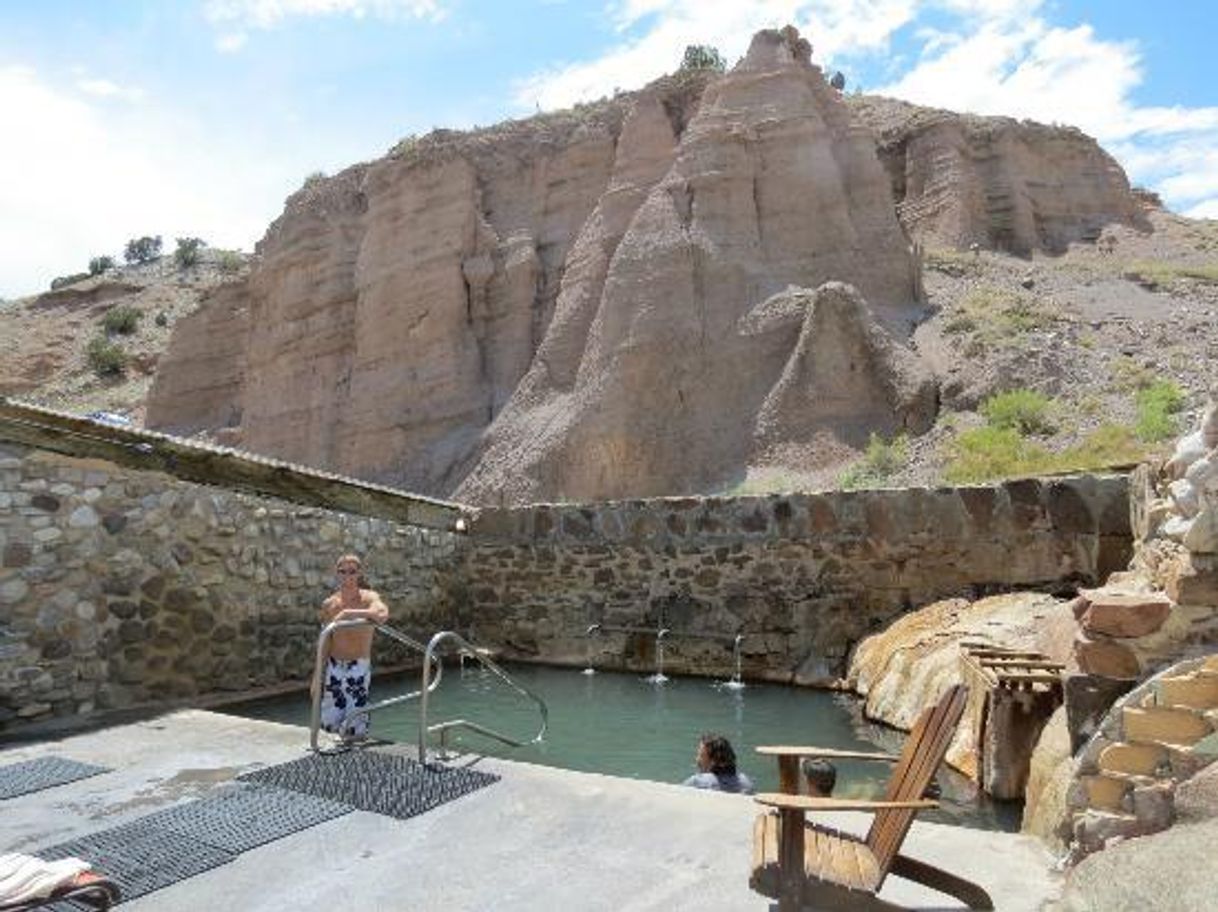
1120,614
1105,658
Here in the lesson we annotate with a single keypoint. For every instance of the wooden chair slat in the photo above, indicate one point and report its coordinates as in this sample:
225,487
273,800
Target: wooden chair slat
795,861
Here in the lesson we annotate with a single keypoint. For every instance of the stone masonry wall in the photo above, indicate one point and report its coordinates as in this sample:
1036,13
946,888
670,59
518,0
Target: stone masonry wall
120,587
802,577
123,587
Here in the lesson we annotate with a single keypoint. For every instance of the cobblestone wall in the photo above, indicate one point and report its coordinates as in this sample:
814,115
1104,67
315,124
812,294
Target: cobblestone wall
802,577
120,587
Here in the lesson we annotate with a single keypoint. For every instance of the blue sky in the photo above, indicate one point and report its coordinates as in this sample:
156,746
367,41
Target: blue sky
198,117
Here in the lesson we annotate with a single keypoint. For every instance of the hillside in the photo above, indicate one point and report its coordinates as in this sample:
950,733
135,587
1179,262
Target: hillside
621,300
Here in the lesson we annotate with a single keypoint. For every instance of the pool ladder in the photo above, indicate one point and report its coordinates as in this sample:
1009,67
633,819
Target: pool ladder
443,728
429,684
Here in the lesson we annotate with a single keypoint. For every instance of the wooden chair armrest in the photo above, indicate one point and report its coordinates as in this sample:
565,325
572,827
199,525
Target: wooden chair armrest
785,751
813,803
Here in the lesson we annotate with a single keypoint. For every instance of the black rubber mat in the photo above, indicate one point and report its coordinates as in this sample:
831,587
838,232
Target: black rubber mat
372,781
141,858
43,773
243,816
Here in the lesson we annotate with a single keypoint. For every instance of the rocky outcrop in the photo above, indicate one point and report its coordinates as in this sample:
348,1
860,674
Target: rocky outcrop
615,300
901,670
1004,184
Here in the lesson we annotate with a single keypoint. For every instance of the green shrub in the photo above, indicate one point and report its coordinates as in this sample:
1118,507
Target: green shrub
122,320
106,358
994,315
881,461
989,452
1128,375
162,318
187,252
1158,272
66,280
229,261
1157,406
100,264
703,57
142,250
1023,410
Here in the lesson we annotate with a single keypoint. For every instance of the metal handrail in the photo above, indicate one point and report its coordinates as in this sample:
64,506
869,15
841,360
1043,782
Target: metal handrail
444,727
323,641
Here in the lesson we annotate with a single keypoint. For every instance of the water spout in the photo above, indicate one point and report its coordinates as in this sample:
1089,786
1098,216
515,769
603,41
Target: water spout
589,669
659,677
736,683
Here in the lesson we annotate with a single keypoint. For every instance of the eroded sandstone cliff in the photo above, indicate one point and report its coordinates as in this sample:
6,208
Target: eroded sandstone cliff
616,300
1009,185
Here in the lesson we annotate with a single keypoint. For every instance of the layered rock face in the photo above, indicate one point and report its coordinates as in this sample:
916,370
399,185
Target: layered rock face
688,368
994,181
619,300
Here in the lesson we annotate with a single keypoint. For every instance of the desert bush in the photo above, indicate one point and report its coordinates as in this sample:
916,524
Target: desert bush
1023,410
838,81
142,250
881,461
703,57
996,315
1159,272
187,252
106,358
100,264
229,261
990,453
122,320
1128,375
1157,407
66,280
162,318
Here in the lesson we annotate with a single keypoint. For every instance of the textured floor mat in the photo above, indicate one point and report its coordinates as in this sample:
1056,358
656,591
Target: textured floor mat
372,781
141,858
43,773
243,816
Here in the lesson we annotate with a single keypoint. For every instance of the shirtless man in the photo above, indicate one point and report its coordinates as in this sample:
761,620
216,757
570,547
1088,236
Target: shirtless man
349,664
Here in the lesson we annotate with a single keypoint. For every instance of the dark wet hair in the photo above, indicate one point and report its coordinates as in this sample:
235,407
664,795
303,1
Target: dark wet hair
819,773
720,754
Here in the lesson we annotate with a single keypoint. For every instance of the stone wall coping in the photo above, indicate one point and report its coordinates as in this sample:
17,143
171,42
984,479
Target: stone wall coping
191,460
767,515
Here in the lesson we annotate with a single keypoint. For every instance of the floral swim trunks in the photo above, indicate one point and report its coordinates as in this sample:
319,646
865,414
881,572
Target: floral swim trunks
346,689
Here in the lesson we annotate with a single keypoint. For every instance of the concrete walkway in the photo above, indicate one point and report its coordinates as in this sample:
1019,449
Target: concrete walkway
540,839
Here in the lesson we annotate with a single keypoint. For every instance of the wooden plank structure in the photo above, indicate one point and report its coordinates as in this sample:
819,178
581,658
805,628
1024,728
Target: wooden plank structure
74,435
1012,693
803,863
1014,669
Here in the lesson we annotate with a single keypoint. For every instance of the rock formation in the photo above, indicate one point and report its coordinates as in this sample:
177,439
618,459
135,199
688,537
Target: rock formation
995,181
615,300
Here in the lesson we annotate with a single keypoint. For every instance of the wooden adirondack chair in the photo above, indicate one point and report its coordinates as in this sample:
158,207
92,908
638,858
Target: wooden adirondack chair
799,862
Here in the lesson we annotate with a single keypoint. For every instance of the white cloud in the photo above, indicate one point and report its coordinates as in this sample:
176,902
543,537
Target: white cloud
994,57
79,176
269,13
833,26
231,42
104,88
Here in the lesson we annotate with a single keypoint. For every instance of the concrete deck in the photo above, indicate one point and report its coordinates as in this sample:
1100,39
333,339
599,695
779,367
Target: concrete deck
540,839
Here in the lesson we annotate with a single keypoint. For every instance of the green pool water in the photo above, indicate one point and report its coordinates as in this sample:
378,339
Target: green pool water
622,725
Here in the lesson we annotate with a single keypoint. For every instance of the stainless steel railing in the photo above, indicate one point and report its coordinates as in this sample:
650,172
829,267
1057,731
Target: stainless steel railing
443,728
319,670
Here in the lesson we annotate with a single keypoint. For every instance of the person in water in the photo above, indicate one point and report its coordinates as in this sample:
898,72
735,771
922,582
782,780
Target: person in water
717,767
348,669
820,774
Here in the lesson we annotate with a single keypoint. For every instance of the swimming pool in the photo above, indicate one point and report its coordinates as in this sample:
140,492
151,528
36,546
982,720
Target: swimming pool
622,725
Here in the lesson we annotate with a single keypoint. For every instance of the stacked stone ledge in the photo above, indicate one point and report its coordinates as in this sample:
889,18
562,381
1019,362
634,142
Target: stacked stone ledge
1163,732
